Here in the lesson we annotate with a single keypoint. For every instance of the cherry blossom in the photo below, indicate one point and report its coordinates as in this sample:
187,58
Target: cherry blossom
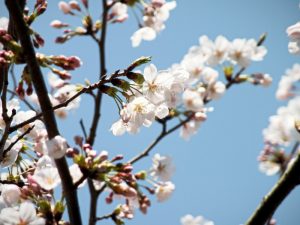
56,147
198,220
193,100
47,177
64,7
144,33
119,12
163,191
215,52
243,51
10,194
293,33
26,214
155,14
286,86
162,167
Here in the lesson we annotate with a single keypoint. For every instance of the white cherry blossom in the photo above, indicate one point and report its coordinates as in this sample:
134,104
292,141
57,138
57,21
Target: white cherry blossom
190,128
56,147
162,167
47,177
10,194
293,33
198,220
25,214
192,100
144,33
269,168
216,52
286,86
243,51
119,12
163,191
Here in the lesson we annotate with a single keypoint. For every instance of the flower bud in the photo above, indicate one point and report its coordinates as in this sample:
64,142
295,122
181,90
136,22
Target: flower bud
56,147
294,31
74,5
136,77
58,24
140,61
64,7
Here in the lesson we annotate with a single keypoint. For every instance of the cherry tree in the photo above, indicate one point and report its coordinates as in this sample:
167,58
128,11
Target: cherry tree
43,171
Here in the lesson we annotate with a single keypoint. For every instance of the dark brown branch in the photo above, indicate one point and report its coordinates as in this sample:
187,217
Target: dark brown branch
97,109
287,182
80,181
98,99
87,89
83,129
105,217
145,153
46,107
7,119
236,78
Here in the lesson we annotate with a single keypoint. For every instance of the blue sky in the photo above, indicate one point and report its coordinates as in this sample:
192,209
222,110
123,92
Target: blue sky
216,171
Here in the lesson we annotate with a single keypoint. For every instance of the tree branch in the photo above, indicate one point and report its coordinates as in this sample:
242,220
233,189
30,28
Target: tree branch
145,153
287,182
44,101
84,90
97,109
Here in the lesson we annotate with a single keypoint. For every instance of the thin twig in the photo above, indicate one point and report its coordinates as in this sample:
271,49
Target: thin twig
67,102
27,103
97,109
7,119
18,139
83,128
80,181
105,217
145,153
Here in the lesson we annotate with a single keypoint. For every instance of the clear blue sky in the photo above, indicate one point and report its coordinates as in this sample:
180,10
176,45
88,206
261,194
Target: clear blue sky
216,173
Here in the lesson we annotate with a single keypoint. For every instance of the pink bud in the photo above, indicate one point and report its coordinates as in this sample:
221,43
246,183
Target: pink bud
85,3
20,90
86,147
294,31
29,90
127,168
64,7
78,140
117,157
74,5
158,3
58,24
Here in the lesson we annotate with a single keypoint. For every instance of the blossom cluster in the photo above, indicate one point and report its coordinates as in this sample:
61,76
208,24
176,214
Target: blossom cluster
293,32
283,129
154,15
185,88
181,92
